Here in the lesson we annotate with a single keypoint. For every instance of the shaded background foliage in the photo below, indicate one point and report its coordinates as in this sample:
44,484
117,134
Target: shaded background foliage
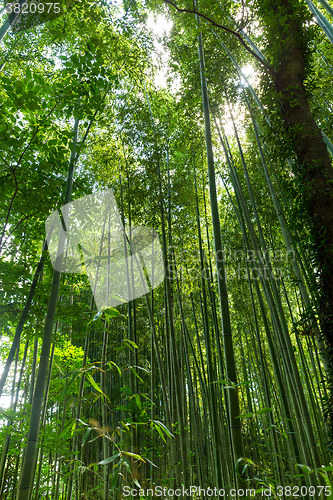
141,395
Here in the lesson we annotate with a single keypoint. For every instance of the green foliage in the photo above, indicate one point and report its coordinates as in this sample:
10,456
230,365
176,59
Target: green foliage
111,414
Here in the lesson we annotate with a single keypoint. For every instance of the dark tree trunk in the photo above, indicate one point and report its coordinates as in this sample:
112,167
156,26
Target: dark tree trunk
314,165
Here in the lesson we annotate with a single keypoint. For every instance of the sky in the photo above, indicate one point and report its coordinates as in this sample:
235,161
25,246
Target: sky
160,26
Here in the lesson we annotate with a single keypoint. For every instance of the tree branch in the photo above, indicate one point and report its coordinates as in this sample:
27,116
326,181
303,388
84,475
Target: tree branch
228,30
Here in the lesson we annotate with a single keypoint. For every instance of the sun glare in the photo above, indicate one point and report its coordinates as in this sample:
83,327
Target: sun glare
161,26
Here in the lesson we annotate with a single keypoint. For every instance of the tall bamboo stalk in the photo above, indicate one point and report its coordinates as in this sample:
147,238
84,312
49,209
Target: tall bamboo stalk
234,420
29,463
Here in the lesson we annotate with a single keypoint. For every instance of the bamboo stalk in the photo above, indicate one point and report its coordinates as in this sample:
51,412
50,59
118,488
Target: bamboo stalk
234,421
28,466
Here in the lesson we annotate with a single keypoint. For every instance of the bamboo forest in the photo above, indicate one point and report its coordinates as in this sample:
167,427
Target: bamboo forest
166,242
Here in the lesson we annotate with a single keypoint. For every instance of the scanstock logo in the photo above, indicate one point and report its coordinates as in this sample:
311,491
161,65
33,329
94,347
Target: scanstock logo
87,236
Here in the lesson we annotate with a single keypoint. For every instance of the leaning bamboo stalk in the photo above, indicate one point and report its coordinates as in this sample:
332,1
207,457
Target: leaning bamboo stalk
288,239
13,405
28,466
299,388
321,21
285,354
219,470
11,19
234,420
209,278
193,412
326,6
23,318
272,349
300,403
266,392
320,424
243,212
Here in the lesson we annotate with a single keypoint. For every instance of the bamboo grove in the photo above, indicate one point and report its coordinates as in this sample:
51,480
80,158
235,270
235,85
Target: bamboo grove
221,376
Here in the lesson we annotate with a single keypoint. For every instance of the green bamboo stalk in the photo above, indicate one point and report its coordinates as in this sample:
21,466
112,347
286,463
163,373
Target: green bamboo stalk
219,470
320,423
104,414
10,20
33,370
23,318
28,466
276,366
326,6
321,21
209,279
288,241
193,412
234,421
175,357
266,392
243,211
41,453
13,404
300,402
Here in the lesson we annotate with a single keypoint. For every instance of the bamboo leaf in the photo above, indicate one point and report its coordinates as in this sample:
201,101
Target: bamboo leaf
240,462
135,373
114,364
97,316
151,463
304,468
95,385
86,435
141,368
94,439
111,312
109,460
138,401
136,482
83,423
245,382
164,428
263,410
66,429
134,455
115,476
157,427
130,343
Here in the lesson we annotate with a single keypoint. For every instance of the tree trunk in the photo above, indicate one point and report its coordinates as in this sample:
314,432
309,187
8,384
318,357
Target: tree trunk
314,165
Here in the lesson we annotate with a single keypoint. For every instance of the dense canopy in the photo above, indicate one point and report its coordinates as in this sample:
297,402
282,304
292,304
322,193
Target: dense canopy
169,330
